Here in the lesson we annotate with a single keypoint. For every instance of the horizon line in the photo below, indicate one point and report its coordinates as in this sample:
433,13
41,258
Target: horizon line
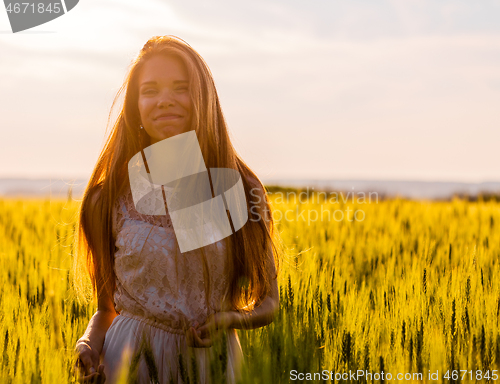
281,179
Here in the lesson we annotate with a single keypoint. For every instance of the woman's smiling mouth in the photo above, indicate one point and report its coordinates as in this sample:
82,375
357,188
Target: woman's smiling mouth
168,116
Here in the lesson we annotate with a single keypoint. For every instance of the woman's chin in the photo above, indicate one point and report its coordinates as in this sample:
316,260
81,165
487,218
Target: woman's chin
165,133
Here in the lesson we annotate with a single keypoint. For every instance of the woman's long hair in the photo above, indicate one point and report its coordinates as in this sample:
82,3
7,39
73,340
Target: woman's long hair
250,246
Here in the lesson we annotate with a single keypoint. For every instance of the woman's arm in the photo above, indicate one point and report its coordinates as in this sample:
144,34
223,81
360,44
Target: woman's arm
98,326
89,347
260,316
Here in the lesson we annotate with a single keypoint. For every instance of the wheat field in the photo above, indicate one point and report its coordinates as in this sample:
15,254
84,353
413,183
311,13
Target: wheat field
408,287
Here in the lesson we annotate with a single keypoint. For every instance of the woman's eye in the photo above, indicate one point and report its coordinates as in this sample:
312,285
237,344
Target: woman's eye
147,91
182,89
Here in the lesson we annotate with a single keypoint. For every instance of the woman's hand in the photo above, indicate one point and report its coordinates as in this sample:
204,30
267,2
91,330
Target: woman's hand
205,335
87,365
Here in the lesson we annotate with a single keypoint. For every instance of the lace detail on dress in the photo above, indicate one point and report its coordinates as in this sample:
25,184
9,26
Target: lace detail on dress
155,280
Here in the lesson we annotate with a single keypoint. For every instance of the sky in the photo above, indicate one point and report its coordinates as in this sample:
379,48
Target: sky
382,90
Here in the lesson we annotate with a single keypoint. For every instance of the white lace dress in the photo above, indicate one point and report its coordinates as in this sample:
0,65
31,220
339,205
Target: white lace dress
160,293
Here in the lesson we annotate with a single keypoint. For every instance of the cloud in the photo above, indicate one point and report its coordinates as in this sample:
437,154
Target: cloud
329,88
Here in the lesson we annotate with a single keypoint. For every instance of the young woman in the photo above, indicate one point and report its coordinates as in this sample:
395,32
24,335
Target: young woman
169,316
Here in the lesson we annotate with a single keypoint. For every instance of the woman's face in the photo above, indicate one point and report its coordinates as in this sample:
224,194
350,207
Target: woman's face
164,99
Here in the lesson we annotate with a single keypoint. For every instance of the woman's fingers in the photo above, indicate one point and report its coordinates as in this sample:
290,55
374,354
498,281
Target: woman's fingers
87,365
78,366
208,340
102,377
208,330
86,370
96,377
86,362
204,336
90,378
205,329
189,337
193,340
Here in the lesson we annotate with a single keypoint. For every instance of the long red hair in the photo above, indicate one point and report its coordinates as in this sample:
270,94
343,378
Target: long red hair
250,246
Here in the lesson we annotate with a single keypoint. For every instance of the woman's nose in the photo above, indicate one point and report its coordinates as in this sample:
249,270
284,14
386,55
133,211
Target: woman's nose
166,99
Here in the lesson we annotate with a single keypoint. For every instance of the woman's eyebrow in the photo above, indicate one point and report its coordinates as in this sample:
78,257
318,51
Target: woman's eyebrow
155,82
